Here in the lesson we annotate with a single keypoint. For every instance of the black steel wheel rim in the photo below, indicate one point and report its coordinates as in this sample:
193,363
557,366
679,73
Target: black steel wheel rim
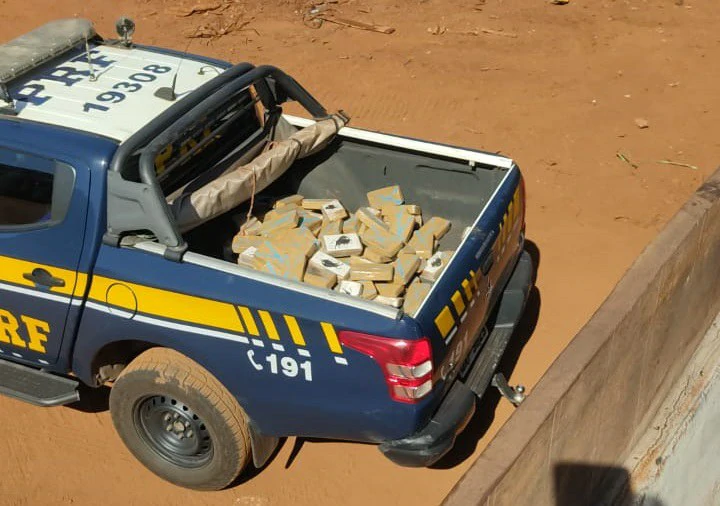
173,431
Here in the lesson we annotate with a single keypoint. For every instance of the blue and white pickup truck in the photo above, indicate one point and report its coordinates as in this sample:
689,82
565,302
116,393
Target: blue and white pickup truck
210,362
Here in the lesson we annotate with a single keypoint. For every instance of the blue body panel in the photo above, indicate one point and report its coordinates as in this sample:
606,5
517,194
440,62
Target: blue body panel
342,401
68,245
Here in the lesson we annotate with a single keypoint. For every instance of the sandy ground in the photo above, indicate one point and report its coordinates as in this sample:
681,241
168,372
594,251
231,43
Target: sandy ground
556,87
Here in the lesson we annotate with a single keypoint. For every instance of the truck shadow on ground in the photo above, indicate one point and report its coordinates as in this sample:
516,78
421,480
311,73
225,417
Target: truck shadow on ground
92,400
581,483
467,440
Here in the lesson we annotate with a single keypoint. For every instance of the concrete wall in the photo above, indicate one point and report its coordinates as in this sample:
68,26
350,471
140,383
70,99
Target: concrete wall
676,462
567,442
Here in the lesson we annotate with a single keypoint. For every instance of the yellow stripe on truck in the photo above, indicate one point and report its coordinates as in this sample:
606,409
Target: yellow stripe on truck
295,332
249,321
458,302
445,321
468,290
331,337
173,305
12,270
269,325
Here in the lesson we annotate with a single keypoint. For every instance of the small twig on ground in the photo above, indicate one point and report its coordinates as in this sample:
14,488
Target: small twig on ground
679,164
359,25
627,160
489,31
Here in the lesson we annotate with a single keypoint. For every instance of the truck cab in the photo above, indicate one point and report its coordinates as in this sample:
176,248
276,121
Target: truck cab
122,171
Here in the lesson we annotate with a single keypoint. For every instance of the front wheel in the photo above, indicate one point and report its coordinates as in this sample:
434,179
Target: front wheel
180,421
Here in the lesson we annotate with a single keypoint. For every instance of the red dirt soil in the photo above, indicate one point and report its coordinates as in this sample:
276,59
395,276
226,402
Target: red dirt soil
556,87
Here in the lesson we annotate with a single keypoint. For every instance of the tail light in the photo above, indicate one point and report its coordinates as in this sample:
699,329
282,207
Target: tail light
405,363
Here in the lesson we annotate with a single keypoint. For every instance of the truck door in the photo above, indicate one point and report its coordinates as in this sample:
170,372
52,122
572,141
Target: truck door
43,209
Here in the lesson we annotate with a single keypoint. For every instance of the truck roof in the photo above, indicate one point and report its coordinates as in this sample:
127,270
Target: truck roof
62,74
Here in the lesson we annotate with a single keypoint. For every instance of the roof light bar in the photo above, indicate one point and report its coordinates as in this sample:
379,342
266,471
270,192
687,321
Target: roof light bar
40,45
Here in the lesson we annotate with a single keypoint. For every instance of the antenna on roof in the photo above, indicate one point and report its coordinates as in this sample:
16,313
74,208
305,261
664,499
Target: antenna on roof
9,107
168,93
93,76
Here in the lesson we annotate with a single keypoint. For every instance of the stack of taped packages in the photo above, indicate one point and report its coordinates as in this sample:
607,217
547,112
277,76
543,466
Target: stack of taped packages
382,252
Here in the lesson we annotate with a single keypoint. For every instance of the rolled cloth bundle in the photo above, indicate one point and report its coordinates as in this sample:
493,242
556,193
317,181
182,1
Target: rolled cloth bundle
240,183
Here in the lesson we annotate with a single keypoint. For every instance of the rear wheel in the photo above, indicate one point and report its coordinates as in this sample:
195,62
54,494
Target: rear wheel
180,421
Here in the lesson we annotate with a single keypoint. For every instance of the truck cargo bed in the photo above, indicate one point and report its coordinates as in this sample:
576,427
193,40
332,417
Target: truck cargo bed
349,168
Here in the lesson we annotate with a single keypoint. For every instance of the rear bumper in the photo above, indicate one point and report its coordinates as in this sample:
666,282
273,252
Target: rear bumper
432,442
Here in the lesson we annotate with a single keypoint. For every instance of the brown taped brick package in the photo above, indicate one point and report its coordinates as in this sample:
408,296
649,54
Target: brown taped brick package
367,217
243,242
415,294
389,289
376,256
309,220
284,221
351,225
294,200
369,291
405,268
330,228
388,195
390,301
422,243
382,241
274,214
314,204
321,281
437,226
252,226
364,270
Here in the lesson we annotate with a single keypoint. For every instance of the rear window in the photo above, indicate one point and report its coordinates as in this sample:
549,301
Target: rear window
213,137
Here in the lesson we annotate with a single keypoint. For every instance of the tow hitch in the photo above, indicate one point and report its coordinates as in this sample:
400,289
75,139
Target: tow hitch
514,394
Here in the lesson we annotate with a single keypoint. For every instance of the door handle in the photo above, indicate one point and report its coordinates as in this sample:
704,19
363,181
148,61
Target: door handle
40,276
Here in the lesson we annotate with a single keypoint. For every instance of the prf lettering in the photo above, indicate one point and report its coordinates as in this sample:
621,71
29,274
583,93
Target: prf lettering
36,330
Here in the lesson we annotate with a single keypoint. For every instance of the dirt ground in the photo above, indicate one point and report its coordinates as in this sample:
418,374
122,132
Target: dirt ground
556,87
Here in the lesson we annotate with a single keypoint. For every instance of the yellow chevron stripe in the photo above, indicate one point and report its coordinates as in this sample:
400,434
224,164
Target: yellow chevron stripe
331,337
458,302
249,321
445,321
294,328
269,325
474,281
468,290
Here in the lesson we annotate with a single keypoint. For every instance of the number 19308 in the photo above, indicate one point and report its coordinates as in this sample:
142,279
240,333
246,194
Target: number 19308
120,90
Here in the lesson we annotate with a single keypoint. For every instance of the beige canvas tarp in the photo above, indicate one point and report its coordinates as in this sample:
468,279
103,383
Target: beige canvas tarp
241,181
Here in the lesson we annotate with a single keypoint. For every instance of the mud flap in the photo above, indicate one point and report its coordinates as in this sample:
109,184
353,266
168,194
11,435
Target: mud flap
262,446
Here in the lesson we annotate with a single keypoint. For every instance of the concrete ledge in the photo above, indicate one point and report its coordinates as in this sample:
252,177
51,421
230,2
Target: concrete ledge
597,399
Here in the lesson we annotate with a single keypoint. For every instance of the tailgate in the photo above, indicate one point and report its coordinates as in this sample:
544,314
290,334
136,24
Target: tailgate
455,311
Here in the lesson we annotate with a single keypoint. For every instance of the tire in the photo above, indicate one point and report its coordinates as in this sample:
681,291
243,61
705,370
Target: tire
180,421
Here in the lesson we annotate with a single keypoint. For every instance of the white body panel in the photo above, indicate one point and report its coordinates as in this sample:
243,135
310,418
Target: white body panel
119,101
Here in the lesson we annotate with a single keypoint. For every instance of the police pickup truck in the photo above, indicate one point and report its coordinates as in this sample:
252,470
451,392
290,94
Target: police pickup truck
211,363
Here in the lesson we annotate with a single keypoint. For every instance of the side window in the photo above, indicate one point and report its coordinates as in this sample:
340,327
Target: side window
35,192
